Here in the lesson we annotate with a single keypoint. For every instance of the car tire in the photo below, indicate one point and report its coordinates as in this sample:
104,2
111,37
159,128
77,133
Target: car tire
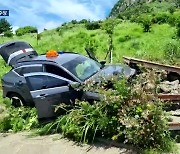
16,100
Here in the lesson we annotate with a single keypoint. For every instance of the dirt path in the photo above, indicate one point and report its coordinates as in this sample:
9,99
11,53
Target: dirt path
22,143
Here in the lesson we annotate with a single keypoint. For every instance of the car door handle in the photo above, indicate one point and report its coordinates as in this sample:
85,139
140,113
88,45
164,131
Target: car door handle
42,96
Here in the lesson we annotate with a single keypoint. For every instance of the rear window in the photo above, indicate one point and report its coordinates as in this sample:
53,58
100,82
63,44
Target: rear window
23,70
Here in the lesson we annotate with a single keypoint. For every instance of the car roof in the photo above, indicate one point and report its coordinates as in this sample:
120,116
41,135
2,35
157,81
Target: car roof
61,59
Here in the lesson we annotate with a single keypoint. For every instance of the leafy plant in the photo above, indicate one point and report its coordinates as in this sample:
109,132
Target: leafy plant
19,119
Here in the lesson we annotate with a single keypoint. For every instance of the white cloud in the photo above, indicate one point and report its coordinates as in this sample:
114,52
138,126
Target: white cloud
72,9
51,13
49,25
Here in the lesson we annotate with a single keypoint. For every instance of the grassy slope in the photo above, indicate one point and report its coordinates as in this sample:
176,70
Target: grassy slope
129,40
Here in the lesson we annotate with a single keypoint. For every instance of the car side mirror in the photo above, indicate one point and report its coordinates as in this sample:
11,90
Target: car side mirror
103,62
74,85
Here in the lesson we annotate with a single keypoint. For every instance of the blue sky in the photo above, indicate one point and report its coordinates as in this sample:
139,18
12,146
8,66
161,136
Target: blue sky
52,13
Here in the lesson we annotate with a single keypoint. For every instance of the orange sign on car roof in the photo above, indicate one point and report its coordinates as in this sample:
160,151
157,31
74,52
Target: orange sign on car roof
52,53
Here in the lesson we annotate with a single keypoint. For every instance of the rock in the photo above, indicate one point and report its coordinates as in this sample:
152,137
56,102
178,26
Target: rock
170,87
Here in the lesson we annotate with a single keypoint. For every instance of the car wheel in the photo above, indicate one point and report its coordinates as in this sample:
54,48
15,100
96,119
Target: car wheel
16,100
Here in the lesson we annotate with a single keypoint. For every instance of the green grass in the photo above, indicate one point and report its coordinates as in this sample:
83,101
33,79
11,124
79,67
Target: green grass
130,40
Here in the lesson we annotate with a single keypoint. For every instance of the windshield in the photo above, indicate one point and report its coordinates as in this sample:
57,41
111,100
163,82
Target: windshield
82,67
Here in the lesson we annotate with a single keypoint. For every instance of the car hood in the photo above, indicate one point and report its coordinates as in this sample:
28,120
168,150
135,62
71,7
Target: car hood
113,70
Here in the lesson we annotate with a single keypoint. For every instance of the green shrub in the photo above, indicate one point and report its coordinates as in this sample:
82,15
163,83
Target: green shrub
178,29
19,119
64,24
58,29
146,22
92,25
83,21
27,29
172,9
8,34
161,18
147,26
146,124
74,22
178,32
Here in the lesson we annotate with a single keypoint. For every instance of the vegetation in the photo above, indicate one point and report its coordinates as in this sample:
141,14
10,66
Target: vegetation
25,30
8,34
124,114
92,25
5,27
124,120
18,119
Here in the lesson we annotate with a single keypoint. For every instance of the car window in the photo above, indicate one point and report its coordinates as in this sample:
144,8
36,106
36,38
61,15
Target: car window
36,82
30,69
53,82
39,82
58,71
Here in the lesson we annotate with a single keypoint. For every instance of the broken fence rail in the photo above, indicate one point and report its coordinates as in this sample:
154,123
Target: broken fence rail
168,97
174,125
169,68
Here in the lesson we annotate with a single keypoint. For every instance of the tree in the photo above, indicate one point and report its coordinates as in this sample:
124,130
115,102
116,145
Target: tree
109,25
4,26
74,22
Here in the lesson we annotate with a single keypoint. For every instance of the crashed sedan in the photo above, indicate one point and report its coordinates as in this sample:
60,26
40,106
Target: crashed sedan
46,80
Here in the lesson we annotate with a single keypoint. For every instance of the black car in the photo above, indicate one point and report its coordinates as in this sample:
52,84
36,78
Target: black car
45,80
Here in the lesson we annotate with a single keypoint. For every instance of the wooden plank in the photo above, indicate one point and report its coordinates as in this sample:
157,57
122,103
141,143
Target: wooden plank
169,68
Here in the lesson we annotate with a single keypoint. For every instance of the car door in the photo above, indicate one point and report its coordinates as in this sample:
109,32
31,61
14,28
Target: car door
47,91
72,94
